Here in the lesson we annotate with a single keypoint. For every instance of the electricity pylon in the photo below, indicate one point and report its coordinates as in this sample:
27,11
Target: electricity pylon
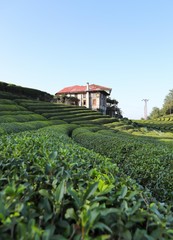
145,108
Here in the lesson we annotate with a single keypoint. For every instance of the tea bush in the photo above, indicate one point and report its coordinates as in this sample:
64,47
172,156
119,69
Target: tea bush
6,101
5,113
51,188
150,163
10,107
8,95
14,127
104,119
21,118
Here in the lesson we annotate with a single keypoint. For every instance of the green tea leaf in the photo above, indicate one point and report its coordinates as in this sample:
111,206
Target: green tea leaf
127,235
60,237
70,213
102,227
44,193
107,211
60,191
48,233
123,192
139,234
90,191
53,155
74,195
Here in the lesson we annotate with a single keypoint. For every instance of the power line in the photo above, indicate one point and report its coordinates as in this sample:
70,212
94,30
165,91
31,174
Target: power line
145,108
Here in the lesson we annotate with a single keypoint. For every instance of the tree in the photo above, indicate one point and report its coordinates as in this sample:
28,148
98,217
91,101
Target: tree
168,103
155,113
112,108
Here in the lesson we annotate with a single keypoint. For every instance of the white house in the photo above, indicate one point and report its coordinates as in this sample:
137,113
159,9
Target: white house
91,96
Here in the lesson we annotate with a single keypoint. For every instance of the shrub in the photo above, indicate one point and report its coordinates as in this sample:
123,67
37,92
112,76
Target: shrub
6,101
21,118
51,188
140,159
14,127
5,113
10,107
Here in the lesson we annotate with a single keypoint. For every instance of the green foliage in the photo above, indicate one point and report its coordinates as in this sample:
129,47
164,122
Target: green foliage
167,108
14,91
111,101
165,124
155,113
112,108
168,103
21,118
51,188
23,112
149,162
11,107
91,117
83,122
103,120
6,101
14,127
8,95
70,114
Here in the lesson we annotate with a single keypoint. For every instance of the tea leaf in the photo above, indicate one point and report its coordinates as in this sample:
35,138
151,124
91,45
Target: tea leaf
60,191
90,191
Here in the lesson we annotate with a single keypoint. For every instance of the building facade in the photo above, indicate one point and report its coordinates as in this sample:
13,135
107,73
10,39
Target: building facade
91,96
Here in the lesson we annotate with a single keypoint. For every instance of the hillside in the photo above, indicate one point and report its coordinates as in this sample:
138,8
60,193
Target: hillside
71,173
11,91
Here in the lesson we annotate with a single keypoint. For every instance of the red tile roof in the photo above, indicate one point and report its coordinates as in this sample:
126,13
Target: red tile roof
79,89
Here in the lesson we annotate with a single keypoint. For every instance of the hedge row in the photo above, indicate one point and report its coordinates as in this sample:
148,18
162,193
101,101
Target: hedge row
6,101
25,92
70,113
31,103
149,163
21,118
73,117
53,189
97,121
10,107
4,113
7,128
8,95
104,119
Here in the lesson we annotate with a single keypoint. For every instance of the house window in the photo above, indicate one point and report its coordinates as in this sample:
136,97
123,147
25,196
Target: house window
94,102
84,95
84,102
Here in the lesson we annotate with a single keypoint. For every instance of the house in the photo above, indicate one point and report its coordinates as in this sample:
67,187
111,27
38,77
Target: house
91,96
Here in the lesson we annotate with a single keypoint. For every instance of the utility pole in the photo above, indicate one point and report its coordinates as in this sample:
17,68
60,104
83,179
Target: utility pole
145,108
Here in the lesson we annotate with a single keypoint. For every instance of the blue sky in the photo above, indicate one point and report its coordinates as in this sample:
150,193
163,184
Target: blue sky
123,44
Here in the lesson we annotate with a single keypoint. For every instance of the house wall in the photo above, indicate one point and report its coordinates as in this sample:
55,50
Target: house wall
97,100
103,102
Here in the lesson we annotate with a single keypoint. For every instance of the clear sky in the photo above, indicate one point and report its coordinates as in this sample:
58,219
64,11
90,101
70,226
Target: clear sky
123,44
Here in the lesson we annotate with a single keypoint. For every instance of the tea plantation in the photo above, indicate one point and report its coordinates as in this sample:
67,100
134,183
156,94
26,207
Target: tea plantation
68,173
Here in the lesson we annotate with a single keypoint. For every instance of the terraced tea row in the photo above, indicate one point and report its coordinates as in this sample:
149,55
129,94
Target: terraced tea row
16,118
70,113
147,161
161,124
51,188
145,129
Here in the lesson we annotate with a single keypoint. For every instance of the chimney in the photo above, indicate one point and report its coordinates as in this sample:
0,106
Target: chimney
87,86
87,96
